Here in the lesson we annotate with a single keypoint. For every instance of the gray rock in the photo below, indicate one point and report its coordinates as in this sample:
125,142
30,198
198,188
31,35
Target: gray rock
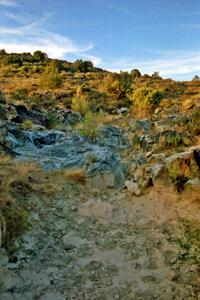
133,187
55,149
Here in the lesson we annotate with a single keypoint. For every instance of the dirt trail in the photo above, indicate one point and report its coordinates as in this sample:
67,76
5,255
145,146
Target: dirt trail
101,247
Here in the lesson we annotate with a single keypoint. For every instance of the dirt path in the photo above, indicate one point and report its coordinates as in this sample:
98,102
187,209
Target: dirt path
100,247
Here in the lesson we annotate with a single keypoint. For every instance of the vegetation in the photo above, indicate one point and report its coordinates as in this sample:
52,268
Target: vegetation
177,175
51,77
27,124
146,97
89,127
80,102
18,180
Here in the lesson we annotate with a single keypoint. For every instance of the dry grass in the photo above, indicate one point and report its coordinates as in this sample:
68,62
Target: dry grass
17,181
74,175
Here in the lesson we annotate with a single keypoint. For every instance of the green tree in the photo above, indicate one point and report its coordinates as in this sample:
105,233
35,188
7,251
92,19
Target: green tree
39,56
135,73
83,66
125,81
2,52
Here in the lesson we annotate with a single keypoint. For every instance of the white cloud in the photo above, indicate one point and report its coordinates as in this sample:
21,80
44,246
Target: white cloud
8,3
18,18
97,61
33,37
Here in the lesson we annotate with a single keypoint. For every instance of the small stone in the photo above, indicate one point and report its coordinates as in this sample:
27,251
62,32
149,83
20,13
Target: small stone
133,187
73,208
3,258
148,154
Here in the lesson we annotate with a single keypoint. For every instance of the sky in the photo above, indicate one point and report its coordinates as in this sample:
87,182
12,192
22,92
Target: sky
149,35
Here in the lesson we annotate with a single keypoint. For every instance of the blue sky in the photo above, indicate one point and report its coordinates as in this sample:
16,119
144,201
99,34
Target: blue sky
151,35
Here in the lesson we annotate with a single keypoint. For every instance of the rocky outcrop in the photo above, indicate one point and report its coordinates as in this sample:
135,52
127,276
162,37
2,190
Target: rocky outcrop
55,149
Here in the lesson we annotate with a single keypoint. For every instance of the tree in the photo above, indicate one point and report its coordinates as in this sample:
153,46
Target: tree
196,78
135,73
125,81
156,75
83,66
39,56
2,52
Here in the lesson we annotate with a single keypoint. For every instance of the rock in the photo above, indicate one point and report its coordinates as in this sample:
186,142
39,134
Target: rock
158,156
72,117
157,110
139,174
144,124
178,156
188,104
133,187
154,171
55,149
24,113
11,112
2,98
132,168
39,139
3,112
35,127
112,136
148,154
3,258
193,185
122,110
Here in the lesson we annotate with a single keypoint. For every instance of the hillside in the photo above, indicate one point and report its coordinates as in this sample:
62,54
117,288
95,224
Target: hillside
99,182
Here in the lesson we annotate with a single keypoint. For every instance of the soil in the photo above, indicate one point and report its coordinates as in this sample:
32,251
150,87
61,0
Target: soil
84,245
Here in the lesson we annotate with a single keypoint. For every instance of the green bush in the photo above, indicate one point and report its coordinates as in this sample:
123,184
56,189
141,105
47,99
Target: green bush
27,124
51,77
83,66
80,103
145,97
21,94
192,122
89,127
177,176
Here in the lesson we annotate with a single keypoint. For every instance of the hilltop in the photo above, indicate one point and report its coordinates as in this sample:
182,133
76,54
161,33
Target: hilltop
99,182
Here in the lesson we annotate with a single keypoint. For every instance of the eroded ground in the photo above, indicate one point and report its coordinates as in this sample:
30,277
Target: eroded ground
84,245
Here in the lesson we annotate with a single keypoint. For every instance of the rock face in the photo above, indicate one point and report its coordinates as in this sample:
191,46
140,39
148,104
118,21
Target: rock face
20,113
55,149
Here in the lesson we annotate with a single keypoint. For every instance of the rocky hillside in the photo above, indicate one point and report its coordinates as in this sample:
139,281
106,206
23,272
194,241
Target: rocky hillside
100,182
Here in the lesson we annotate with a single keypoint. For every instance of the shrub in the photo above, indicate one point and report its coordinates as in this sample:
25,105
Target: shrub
80,103
89,127
27,124
17,181
74,175
21,94
193,122
2,98
83,66
51,77
177,176
146,97
171,139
